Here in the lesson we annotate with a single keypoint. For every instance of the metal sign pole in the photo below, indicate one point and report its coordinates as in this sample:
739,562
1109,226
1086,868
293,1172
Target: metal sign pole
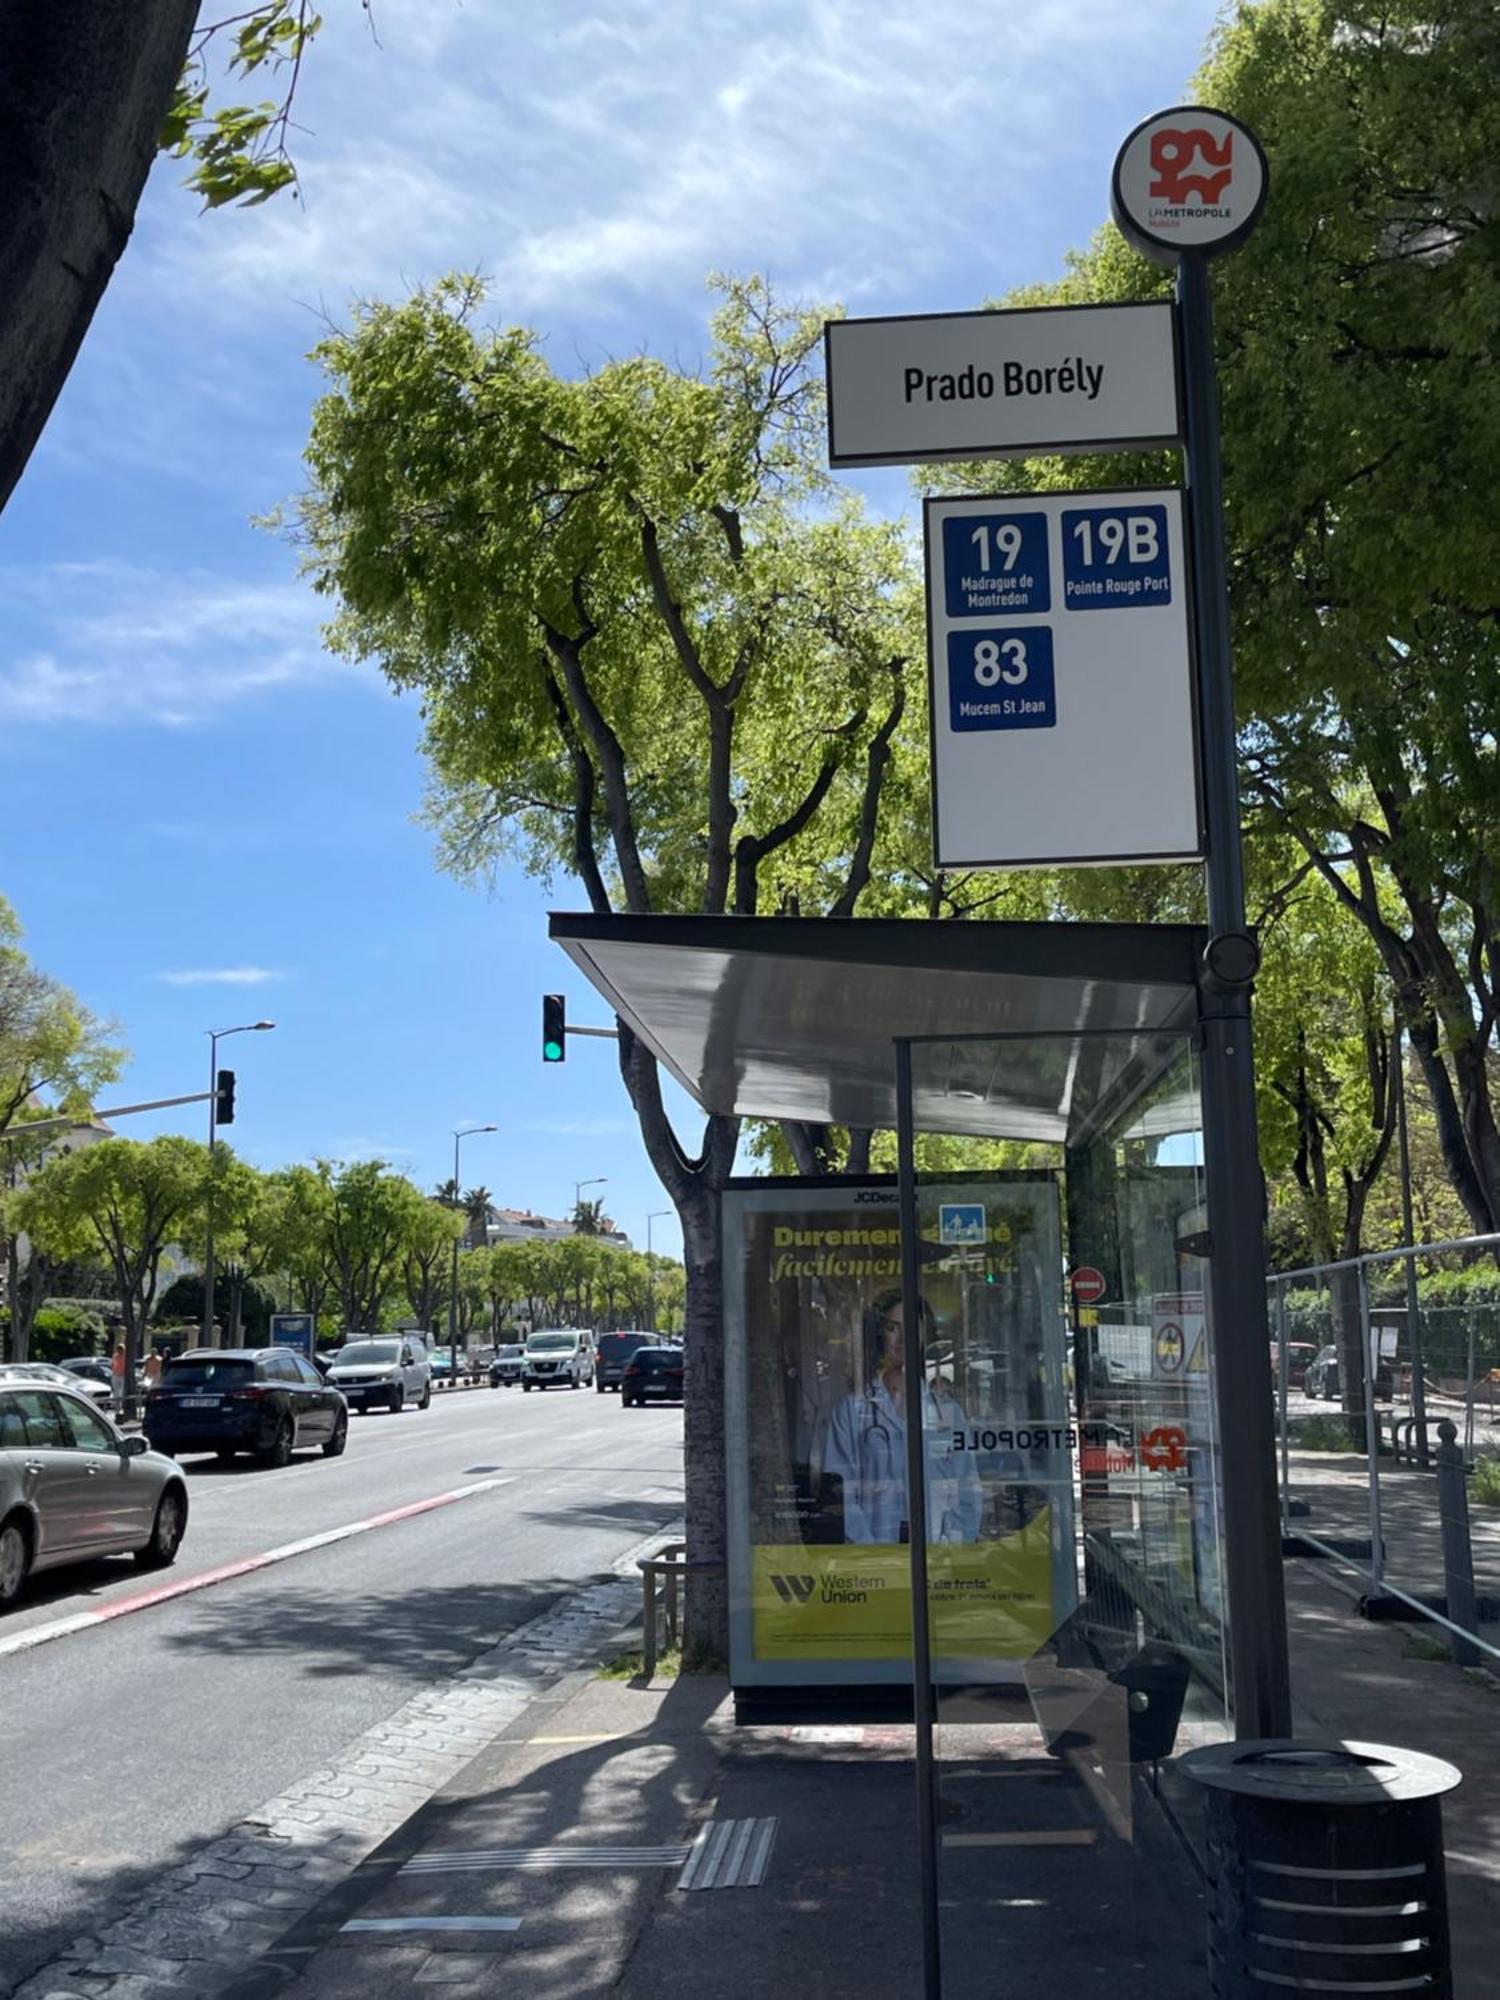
1236,1196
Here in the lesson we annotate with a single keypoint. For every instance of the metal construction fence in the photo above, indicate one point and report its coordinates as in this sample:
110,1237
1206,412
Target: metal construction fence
1395,1475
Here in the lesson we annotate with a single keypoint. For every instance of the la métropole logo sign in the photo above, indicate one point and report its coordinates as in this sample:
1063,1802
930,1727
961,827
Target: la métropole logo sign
1188,180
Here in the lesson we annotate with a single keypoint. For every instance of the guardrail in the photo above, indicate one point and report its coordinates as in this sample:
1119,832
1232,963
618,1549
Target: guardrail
1415,1542
670,1562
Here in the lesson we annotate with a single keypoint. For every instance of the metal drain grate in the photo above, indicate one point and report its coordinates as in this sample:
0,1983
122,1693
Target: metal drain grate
484,1859
729,1854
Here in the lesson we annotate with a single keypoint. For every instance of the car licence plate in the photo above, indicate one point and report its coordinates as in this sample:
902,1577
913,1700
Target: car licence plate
201,1402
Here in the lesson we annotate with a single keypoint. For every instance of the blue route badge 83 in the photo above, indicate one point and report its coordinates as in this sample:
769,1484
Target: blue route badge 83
1115,557
996,562
1001,678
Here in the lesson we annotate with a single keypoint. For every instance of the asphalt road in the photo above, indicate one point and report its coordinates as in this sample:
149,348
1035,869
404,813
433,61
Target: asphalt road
128,1744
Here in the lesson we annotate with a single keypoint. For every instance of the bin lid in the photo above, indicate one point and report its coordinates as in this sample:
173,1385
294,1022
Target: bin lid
1319,1771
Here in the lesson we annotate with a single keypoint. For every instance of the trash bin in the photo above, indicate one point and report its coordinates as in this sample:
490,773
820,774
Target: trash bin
1325,1864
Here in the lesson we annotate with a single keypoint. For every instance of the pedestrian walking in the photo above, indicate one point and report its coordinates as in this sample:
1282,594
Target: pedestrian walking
117,1376
153,1368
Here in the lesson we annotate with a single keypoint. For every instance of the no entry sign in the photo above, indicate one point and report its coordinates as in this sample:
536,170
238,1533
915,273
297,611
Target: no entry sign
1088,1285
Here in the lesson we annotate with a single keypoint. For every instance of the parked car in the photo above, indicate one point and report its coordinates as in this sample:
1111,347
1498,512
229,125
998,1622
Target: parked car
100,1394
264,1400
1322,1377
505,1369
1300,1354
390,1371
615,1349
557,1356
652,1374
73,1487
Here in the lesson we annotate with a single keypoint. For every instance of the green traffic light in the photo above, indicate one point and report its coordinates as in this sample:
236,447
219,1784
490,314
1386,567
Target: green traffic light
552,1052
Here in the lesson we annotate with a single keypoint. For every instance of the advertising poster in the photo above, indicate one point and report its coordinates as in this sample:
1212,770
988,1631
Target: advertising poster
819,1517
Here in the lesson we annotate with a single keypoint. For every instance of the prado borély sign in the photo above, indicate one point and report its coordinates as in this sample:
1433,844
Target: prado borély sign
930,386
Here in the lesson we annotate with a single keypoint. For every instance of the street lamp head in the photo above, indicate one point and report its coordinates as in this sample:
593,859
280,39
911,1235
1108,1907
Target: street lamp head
259,1027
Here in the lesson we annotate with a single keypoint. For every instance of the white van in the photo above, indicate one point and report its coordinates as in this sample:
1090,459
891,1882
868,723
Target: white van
390,1370
556,1356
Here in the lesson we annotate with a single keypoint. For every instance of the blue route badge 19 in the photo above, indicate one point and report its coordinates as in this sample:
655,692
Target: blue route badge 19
996,562
1001,678
1115,557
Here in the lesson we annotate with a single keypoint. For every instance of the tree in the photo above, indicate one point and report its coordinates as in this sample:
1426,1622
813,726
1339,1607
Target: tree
371,1217
1360,412
477,1204
90,90
642,656
301,1236
1328,1079
426,1255
127,1200
588,1218
50,1044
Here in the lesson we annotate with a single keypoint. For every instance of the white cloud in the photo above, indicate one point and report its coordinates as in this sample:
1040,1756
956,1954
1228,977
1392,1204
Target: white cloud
115,643
224,975
590,157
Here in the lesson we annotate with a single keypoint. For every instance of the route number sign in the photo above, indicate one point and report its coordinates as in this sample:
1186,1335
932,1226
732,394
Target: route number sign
1061,670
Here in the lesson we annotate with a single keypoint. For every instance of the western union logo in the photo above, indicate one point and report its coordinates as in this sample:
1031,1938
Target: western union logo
794,1589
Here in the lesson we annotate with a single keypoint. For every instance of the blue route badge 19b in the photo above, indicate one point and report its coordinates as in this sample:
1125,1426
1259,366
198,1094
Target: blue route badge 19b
1115,557
996,562
1001,678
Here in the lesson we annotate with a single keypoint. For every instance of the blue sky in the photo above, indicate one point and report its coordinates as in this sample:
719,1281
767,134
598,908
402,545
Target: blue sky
205,817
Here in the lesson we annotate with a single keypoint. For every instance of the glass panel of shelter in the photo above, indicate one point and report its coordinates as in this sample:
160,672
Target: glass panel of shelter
1073,1573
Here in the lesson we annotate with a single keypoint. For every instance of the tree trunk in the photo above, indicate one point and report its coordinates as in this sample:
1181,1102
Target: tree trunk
706,1625
85,86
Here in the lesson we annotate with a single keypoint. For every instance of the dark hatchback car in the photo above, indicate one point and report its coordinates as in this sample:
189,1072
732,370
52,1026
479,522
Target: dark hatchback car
652,1373
615,1351
267,1401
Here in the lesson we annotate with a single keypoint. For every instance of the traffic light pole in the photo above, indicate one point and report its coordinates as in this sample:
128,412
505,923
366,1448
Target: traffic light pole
206,1330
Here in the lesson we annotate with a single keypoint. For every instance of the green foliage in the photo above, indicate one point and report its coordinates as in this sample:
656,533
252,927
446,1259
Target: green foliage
1323,1434
51,1046
641,655
1484,1481
61,1331
240,151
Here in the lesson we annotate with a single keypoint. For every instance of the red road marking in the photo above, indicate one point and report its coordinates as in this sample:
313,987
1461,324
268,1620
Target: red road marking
142,1600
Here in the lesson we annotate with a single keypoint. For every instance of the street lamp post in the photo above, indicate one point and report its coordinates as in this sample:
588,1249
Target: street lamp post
578,1188
215,1036
654,1216
465,1132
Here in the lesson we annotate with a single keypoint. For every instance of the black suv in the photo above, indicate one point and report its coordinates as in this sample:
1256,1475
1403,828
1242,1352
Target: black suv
266,1400
614,1351
654,1373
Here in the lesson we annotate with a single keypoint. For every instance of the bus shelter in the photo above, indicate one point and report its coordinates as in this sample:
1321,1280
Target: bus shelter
974,1476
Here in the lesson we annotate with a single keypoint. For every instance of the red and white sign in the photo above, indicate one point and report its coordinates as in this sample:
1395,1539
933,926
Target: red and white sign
1088,1285
1188,181
1164,1449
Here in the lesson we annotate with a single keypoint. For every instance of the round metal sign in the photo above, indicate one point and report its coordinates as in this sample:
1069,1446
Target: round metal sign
1188,182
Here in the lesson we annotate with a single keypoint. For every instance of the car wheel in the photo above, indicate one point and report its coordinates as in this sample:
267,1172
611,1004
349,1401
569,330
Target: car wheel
527,1387
334,1447
398,1399
425,1398
279,1451
15,1561
166,1532
599,1386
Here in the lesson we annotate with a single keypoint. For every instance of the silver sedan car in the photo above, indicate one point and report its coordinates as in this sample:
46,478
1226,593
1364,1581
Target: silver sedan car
73,1487
99,1393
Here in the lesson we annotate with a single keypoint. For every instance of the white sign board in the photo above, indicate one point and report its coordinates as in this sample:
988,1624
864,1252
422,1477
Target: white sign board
1179,1352
997,384
1061,680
